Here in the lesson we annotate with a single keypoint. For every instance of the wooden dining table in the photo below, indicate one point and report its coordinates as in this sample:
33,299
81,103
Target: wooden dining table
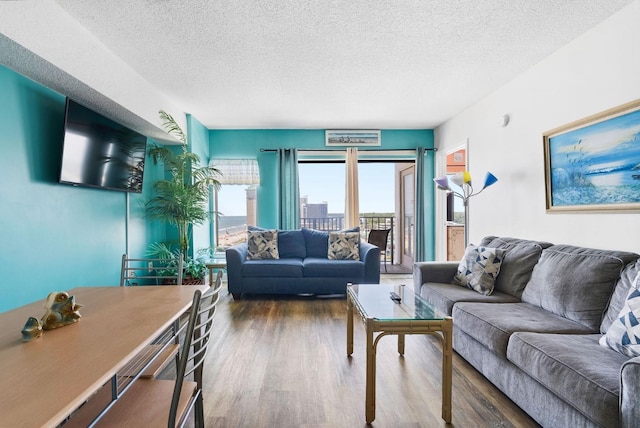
45,380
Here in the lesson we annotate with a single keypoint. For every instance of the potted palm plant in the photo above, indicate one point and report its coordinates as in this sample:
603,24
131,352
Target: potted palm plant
181,199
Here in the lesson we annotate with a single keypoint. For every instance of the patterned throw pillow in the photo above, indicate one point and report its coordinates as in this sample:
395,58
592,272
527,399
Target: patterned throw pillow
263,244
624,334
479,268
344,246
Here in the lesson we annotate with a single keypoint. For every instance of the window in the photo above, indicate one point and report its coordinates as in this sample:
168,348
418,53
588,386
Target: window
322,187
236,210
235,202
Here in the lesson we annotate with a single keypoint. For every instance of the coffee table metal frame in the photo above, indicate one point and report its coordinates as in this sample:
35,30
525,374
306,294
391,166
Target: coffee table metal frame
441,328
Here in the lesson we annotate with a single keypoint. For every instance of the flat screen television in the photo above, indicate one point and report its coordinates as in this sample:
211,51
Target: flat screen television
98,152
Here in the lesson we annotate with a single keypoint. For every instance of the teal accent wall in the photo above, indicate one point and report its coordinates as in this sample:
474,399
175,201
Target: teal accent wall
141,230
54,237
247,144
198,141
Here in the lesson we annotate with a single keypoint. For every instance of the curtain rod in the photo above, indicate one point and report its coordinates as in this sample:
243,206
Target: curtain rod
341,149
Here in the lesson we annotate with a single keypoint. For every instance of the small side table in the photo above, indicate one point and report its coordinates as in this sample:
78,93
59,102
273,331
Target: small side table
215,263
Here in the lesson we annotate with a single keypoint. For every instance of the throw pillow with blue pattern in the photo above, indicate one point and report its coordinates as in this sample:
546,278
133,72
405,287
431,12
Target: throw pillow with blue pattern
624,334
262,244
479,268
344,246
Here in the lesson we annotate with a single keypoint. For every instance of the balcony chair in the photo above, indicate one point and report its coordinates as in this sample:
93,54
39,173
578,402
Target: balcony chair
155,402
379,237
145,271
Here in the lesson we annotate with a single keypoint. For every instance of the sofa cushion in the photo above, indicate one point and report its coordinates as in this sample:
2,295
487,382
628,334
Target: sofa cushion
575,368
317,241
492,324
444,296
576,282
344,246
620,293
624,333
479,268
262,244
324,268
291,244
282,268
517,265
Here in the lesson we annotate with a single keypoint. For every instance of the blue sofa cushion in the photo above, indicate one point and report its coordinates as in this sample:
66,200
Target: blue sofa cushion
317,241
291,244
324,268
283,268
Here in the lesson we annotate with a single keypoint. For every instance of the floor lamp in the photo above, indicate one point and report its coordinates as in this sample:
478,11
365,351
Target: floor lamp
463,179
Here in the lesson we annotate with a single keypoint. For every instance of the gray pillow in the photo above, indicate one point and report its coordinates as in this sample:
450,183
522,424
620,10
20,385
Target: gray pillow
576,282
517,265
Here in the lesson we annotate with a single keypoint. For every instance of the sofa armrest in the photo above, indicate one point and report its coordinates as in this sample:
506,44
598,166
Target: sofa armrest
433,272
236,256
629,393
370,254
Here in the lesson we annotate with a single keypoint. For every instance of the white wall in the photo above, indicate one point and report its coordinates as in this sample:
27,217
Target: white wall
597,71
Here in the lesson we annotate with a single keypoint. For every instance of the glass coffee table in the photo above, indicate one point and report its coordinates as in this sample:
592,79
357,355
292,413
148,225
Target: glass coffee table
410,315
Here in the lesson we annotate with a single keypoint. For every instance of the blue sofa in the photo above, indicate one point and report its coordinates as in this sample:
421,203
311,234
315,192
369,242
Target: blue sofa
303,267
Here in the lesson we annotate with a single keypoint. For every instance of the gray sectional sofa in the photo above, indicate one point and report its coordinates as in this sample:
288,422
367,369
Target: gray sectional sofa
536,336
302,267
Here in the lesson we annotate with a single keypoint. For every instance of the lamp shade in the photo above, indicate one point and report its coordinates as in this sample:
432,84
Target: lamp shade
458,179
466,177
442,182
489,180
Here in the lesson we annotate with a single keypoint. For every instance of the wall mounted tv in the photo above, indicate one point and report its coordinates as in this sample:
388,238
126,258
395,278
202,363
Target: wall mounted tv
98,152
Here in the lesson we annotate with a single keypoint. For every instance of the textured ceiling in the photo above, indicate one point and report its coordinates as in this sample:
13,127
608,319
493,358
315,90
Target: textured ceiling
333,64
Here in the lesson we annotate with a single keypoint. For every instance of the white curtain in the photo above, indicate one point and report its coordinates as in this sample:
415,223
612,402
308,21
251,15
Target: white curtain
351,206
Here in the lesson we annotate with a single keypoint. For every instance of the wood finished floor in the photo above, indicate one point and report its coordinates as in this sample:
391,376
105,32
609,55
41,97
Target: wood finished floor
281,362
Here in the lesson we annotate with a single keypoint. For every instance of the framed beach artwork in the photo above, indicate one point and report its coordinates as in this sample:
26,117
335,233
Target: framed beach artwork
594,164
362,138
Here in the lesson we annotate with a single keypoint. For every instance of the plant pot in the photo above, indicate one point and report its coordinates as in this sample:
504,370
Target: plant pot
192,281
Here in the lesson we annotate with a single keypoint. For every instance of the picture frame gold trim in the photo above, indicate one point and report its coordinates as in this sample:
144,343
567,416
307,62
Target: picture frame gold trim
357,138
593,164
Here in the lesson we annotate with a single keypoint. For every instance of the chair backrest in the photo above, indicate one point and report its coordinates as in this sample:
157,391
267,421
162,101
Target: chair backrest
148,271
194,348
379,237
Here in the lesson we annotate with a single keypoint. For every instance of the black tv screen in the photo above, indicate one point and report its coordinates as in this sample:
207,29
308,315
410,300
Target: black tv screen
98,152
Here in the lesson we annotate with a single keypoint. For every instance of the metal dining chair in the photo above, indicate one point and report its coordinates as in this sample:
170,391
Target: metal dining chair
157,402
147,271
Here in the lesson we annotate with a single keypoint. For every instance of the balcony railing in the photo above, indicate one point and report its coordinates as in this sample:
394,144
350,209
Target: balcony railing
366,225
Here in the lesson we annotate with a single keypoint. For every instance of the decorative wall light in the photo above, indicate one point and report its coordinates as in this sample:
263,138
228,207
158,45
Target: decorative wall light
463,180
